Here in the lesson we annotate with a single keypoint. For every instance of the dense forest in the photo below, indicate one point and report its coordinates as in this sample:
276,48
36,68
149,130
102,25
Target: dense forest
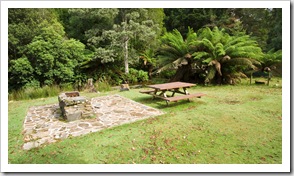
201,45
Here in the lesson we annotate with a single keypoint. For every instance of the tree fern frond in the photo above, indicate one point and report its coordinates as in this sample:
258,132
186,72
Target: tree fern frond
254,62
272,57
205,33
219,49
178,62
200,55
237,39
191,36
165,67
207,44
241,62
208,60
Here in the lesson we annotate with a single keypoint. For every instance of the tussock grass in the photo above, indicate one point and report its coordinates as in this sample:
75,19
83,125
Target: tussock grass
34,93
31,93
231,125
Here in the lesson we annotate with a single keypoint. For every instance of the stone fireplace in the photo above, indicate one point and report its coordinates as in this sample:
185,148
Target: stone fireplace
75,107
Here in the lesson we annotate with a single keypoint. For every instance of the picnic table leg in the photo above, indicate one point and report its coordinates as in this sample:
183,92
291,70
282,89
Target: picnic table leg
185,90
155,92
166,102
174,92
163,93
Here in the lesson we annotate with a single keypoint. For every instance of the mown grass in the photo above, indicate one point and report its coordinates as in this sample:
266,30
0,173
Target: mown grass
232,124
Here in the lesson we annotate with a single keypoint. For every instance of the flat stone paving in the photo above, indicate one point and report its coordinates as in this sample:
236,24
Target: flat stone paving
44,124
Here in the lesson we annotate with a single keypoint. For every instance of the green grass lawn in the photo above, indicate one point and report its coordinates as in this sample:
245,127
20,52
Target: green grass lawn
231,125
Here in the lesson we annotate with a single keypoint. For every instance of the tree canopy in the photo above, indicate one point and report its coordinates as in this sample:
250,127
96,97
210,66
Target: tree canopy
61,46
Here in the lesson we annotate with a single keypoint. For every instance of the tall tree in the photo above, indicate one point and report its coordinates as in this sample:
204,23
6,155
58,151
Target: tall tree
256,23
275,30
88,24
131,27
181,19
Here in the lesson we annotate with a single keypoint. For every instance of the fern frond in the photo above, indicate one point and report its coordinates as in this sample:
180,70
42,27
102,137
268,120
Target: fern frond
200,55
219,49
241,62
191,36
207,43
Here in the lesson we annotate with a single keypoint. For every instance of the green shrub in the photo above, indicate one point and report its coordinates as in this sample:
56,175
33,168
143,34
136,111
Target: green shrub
142,76
136,76
114,78
34,83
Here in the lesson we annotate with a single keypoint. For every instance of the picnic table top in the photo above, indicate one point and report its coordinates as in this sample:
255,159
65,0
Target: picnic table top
171,85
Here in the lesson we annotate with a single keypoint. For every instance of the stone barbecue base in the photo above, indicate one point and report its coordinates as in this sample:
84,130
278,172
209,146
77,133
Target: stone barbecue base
75,107
44,124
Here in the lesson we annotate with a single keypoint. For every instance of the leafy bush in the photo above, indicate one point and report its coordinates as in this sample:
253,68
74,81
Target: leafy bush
33,84
142,76
136,76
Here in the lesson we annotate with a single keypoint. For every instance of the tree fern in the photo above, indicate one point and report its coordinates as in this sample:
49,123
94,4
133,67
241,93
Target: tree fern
213,48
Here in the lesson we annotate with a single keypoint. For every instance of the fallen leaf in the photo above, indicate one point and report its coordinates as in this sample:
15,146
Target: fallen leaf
152,137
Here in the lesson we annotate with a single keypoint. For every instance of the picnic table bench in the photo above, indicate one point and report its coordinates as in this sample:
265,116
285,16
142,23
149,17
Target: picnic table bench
159,91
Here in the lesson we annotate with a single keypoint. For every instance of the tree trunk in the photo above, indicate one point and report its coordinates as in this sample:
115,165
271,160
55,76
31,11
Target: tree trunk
184,73
150,68
126,59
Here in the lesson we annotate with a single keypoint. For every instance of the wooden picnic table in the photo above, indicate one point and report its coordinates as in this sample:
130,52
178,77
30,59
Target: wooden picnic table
159,91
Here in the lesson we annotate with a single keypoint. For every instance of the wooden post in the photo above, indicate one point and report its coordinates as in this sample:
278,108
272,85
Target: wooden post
250,78
268,78
268,70
90,83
